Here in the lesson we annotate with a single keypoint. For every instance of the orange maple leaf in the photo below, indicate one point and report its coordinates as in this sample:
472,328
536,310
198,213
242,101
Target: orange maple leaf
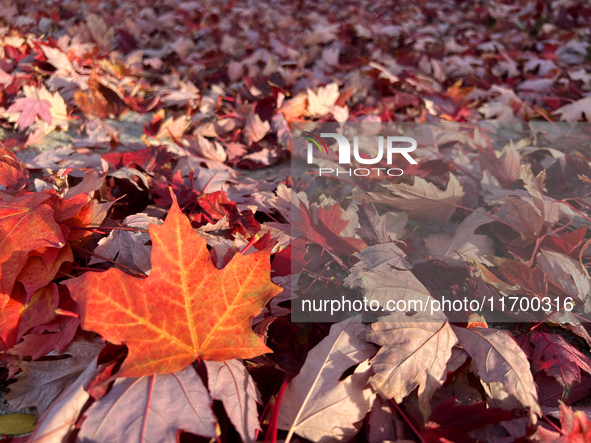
186,309
99,100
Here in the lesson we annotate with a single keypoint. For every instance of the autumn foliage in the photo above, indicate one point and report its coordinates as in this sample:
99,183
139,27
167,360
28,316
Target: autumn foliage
160,227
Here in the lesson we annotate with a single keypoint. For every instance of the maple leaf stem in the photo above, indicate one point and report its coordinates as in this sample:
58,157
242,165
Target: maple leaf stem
542,322
231,115
541,239
64,274
532,233
574,209
81,228
516,332
264,413
564,99
408,420
272,218
209,181
318,276
123,228
583,249
489,215
275,416
461,168
252,241
66,313
550,315
142,275
177,141
543,114
403,240
93,230
581,202
82,268
147,407
190,202
481,129
547,420
458,167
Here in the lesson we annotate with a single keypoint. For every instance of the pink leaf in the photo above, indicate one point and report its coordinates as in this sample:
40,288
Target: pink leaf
558,358
151,408
30,108
230,382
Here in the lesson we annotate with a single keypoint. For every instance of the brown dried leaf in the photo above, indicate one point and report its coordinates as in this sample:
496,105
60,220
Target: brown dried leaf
414,353
499,359
423,200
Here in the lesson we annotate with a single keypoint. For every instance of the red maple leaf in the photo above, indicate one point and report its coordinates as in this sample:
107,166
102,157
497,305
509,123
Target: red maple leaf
26,224
14,175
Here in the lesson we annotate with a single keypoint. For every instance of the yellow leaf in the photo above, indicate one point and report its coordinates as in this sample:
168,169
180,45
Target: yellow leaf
16,424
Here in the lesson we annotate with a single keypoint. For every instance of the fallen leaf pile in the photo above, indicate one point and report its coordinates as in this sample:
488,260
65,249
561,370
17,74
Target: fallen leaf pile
154,238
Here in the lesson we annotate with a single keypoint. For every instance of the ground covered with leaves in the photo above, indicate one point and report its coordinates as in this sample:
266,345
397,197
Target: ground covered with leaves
147,269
